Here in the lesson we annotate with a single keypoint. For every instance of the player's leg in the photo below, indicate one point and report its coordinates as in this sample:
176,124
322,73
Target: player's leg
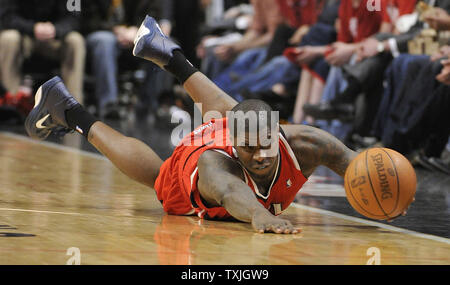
202,90
56,110
154,46
133,157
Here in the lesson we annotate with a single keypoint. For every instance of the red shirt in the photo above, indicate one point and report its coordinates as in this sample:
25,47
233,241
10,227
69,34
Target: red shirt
300,12
266,16
393,9
358,23
176,185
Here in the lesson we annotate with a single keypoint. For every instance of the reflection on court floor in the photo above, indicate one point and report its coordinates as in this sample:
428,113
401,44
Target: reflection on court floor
60,205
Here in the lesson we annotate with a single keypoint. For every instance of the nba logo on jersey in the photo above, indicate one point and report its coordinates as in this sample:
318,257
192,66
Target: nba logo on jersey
277,209
288,183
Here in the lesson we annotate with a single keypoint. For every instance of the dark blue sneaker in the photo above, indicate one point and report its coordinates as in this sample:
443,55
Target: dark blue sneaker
151,43
48,115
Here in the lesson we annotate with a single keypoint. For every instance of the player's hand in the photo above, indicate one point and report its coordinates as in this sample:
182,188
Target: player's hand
265,222
367,48
44,31
298,35
125,35
443,52
438,19
444,76
307,54
225,52
341,54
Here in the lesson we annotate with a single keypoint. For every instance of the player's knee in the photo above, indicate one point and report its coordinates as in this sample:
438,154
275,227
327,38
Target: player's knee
75,41
101,38
10,38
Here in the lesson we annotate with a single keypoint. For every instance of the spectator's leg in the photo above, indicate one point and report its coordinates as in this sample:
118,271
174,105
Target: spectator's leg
302,96
211,66
278,70
317,87
72,65
156,81
103,51
245,63
11,59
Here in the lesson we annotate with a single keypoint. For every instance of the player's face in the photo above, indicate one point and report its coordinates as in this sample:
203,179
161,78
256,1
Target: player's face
260,158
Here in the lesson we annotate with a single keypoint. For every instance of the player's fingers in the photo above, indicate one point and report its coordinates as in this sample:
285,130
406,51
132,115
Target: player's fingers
279,229
297,230
404,213
258,228
288,227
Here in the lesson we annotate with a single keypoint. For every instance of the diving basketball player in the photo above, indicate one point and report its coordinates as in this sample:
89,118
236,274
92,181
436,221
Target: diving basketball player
208,174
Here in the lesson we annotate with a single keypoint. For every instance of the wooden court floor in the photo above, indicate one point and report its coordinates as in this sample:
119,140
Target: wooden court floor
55,198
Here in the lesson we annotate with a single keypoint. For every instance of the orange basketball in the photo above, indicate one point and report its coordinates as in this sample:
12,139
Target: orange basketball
380,183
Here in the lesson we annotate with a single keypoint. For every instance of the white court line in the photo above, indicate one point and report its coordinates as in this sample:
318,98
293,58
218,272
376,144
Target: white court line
299,206
38,211
371,223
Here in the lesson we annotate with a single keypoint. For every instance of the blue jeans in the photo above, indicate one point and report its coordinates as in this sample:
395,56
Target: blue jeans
277,70
103,49
394,75
246,62
335,84
211,65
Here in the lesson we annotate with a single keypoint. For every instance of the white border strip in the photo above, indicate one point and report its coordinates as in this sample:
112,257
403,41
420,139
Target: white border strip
371,223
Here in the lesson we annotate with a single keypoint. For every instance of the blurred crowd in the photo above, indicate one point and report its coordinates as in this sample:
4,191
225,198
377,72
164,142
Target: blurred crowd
371,72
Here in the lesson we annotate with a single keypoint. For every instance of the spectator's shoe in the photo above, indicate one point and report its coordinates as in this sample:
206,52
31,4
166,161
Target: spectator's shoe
110,111
440,165
48,115
151,43
327,111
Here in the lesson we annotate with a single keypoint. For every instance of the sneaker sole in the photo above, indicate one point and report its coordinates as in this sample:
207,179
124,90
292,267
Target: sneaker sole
35,115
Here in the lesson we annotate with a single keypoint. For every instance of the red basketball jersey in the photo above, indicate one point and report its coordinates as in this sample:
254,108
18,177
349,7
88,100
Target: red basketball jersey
176,186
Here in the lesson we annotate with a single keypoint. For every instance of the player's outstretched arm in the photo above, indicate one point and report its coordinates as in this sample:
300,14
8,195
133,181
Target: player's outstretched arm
151,44
221,185
314,147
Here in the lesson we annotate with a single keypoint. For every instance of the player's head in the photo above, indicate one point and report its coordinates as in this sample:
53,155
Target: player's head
254,131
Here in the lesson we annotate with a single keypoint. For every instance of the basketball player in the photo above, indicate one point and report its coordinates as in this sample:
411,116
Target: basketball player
213,178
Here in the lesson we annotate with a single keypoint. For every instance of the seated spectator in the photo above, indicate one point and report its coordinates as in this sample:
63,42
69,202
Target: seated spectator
374,56
355,23
271,74
414,124
48,29
300,15
110,28
408,121
265,20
